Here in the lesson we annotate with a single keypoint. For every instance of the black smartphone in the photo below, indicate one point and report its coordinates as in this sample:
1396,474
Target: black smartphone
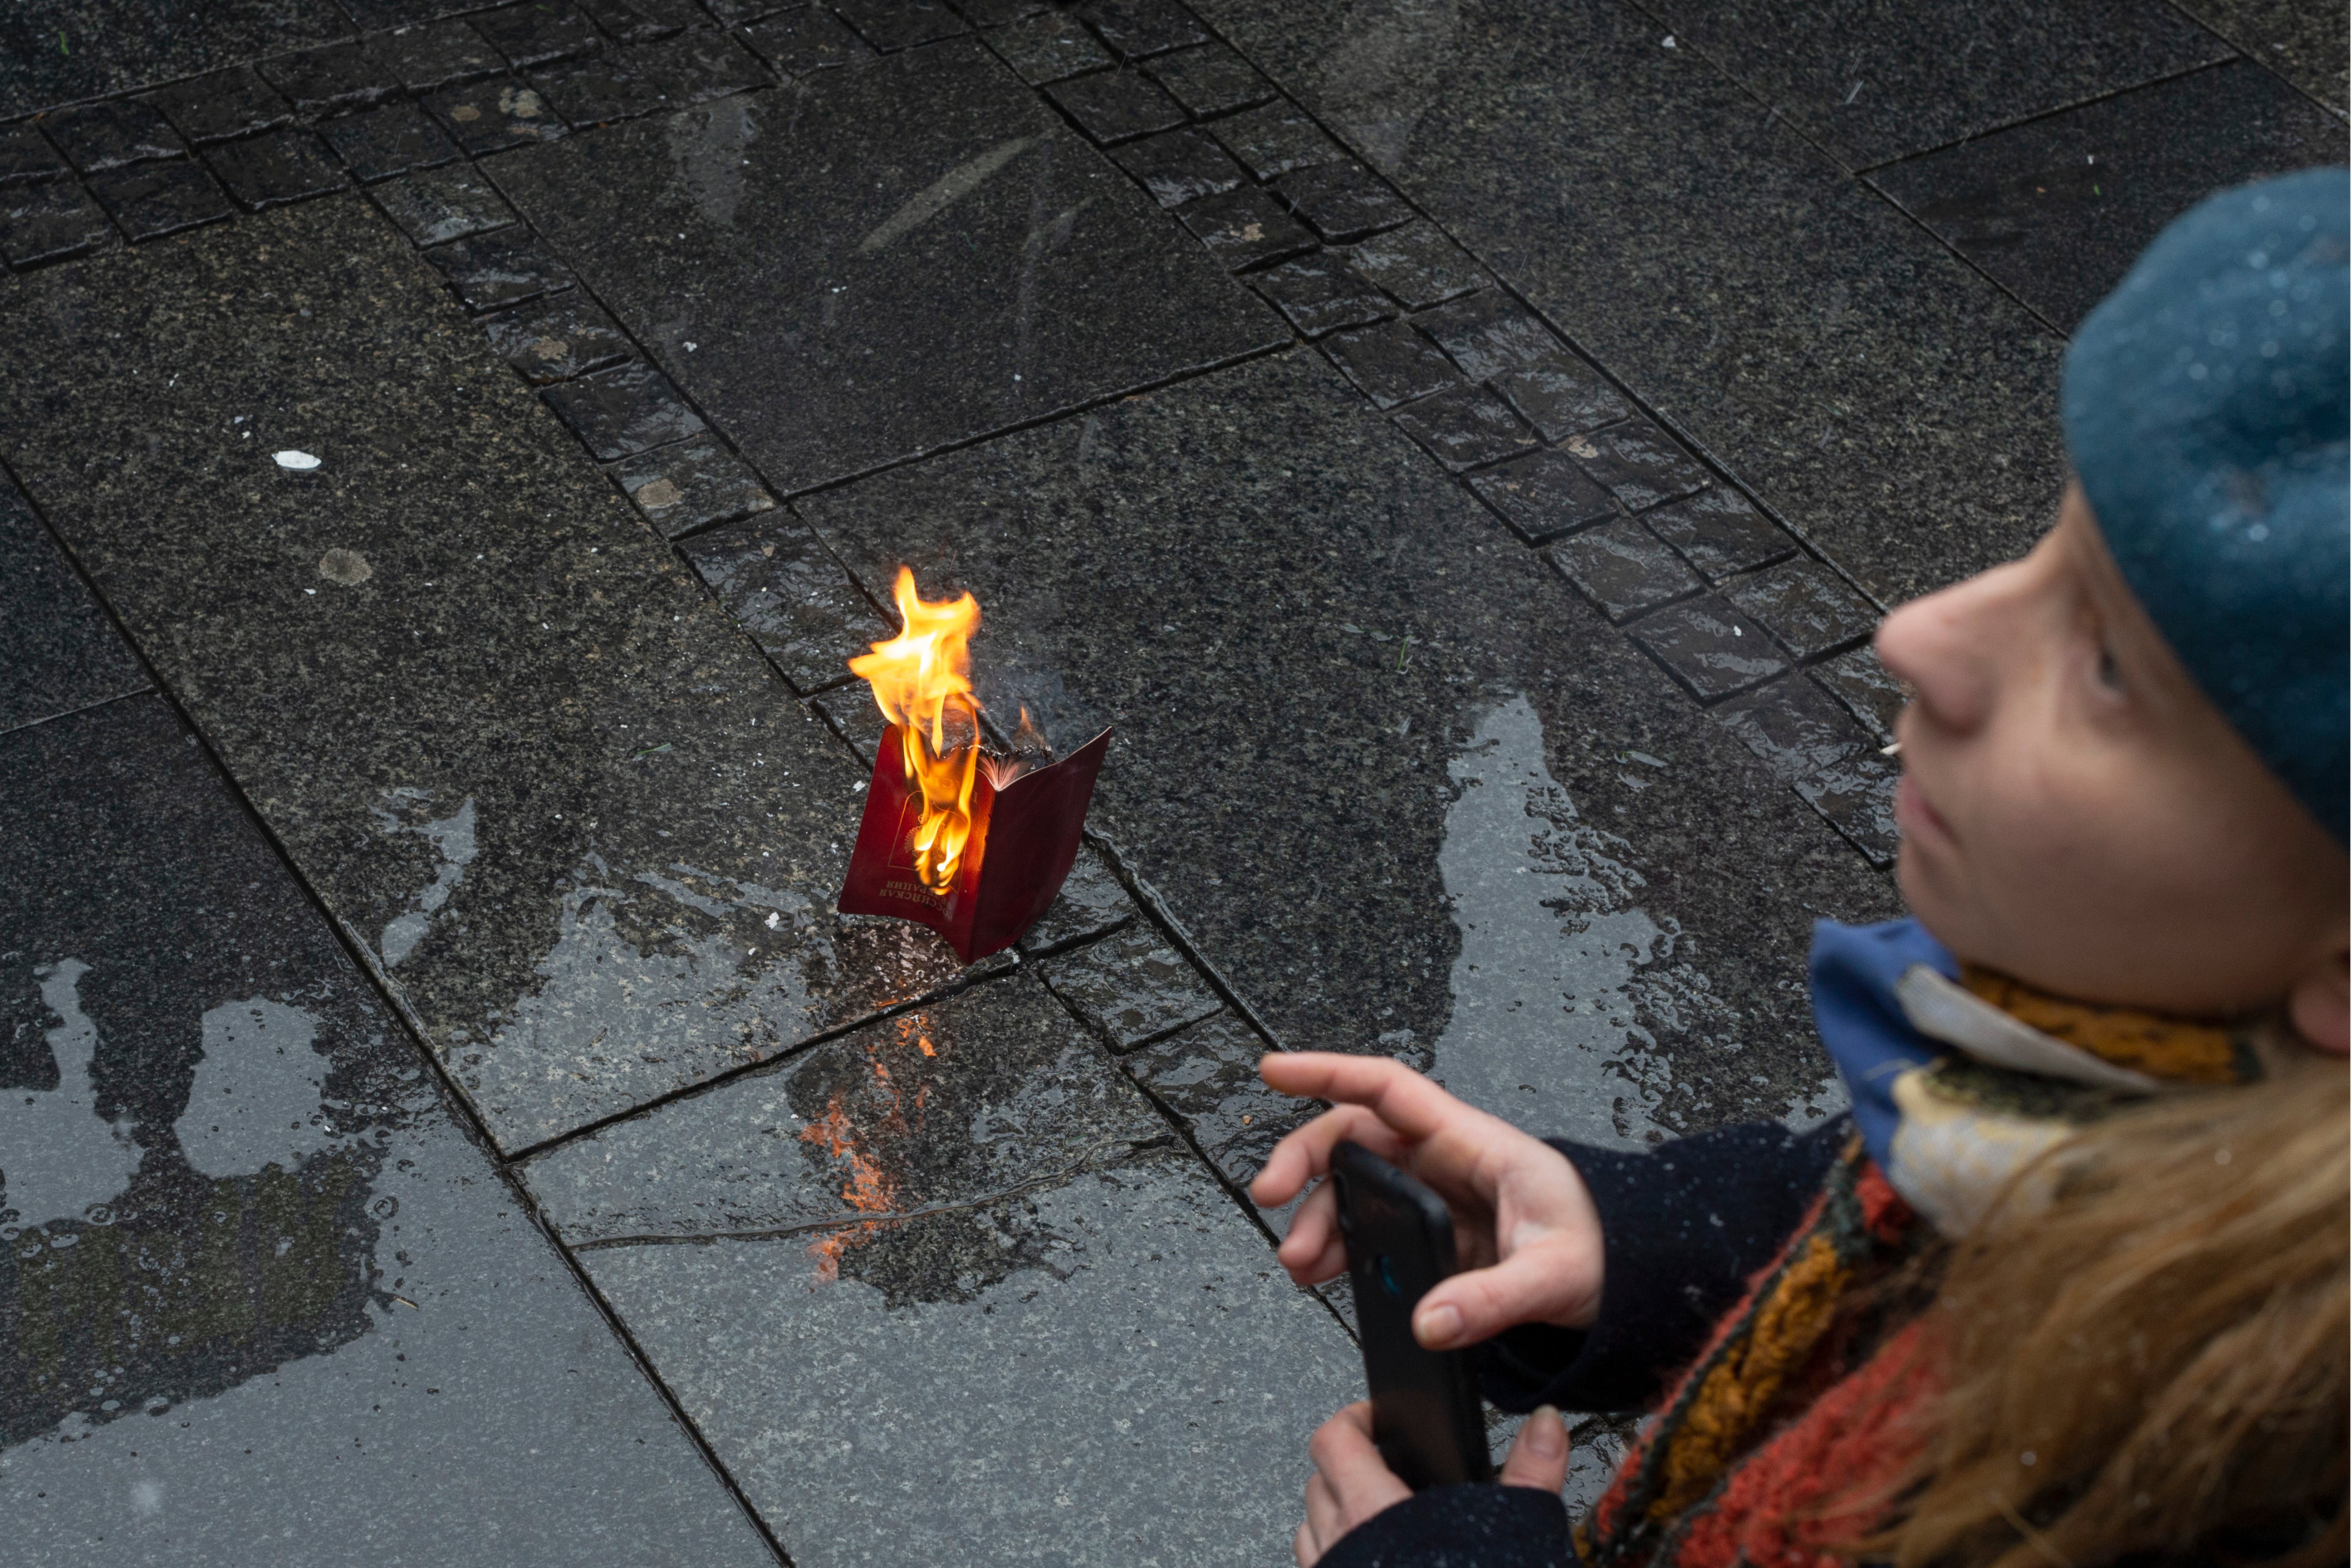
1425,1413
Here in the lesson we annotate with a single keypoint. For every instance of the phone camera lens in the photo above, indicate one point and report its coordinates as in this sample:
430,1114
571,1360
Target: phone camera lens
1387,1276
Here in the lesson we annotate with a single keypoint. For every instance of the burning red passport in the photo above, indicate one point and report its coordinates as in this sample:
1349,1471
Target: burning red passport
969,842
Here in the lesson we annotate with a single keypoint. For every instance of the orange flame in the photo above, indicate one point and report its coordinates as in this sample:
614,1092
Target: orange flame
922,682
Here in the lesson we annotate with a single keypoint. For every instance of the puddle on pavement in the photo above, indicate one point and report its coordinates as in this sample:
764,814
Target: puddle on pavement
1563,979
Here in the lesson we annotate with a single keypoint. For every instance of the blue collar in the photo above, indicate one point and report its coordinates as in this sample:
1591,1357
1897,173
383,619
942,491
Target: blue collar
1853,971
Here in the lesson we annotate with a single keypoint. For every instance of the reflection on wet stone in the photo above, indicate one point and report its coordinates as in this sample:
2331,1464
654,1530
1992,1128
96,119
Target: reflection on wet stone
1804,604
621,411
492,270
435,56
995,216
1090,904
1638,463
658,829
1562,399
1710,647
558,340
1276,139
58,650
1245,228
151,200
281,166
1138,28
25,155
50,222
1624,571
1857,796
110,135
331,80
1794,726
681,489
1720,532
1320,293
1418,266
1464,427
1342,200
1489,334
1208,80
234,1204
387,142
890,24
1132,987
1208,1076
1390,364
1178,166
850,713
779,584
960,1326
1544,494
444,204
1863,684
534,34
1116,105
225,104
805,40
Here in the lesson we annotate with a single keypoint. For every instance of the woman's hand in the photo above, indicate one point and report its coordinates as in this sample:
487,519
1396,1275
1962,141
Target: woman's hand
1529,1237
1352,1483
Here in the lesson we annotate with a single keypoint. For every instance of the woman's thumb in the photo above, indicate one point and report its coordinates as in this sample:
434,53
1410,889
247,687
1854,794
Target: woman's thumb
1538,1456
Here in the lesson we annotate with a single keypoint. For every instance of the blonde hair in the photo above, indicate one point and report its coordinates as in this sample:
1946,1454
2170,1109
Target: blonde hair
2155,1362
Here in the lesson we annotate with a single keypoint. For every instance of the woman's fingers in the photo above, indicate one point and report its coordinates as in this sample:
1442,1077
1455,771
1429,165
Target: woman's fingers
1323,1517
1538,1456
1314,1250
1551,1279
1305,1155
1347,1459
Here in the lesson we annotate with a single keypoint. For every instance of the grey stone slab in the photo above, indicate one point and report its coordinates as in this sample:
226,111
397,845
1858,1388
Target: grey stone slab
1869,691
58,650
1805,605
1544,494
1720,532
1139,28
2305,43
148,200
1000,13
443,205
1132,988
1048,46
1330,858
1207,1075
681,489
1179,166
1857,795
624,411
1885,78
811,1362
1795,727
335,80
1116,105
437,54
1711,647
1464,428
1320,293
50,222
1275,140
890,24
2059,208
535,33
995,271
970,1096
224,104
626,24
1091,904
778,582
557,338
27,154
278,166
246,1232
850,713
601,89
506,267
1562,398
97,136
1245,228
586,835
805,39
1490,334
495,114
1342,200
390,141
1419,265
1640,464
1208,80
62,51
698,65
1623,570
1390,365
1892,403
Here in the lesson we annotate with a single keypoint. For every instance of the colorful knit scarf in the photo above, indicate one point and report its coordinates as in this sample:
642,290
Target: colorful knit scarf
1805,1397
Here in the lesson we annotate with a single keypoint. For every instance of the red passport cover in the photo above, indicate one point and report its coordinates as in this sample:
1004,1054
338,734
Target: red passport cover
1025,838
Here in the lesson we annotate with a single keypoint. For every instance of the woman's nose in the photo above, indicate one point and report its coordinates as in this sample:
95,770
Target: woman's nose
1949,645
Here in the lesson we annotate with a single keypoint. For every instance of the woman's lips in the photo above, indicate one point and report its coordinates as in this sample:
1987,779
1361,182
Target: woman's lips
1914,817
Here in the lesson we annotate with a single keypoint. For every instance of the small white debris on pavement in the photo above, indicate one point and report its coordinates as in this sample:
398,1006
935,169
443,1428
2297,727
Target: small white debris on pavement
300,462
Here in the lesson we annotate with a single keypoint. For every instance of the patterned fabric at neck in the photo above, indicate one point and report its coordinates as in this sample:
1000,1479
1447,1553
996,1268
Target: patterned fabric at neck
1961,1076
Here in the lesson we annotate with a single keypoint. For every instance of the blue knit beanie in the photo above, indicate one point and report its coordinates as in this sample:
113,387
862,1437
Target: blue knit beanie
2206,414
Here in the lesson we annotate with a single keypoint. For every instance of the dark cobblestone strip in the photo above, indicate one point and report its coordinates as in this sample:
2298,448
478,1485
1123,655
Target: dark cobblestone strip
1746,617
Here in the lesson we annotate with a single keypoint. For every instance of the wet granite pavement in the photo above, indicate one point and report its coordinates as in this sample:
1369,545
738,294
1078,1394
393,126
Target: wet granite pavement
1461,451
